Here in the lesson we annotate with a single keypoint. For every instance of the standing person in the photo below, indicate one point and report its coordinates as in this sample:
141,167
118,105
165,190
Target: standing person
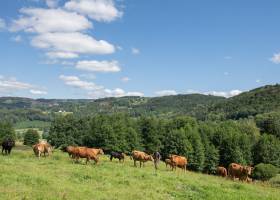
157,158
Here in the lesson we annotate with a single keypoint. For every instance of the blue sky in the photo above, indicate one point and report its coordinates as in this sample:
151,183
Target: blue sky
102,48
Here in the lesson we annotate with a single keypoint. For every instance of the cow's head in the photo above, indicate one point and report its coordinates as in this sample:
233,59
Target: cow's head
247,170
149,157
101,152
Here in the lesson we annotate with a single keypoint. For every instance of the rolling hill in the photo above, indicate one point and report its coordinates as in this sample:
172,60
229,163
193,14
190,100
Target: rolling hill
261,100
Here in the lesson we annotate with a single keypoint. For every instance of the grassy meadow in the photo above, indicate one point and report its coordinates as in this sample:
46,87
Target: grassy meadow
23,176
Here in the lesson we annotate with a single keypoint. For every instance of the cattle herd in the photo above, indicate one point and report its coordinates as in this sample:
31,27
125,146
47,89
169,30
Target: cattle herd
43,148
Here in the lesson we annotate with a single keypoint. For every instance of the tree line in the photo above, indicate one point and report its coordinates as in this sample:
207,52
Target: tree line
206,144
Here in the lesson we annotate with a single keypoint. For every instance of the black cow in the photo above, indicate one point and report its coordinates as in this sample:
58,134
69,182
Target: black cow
7,145
117,155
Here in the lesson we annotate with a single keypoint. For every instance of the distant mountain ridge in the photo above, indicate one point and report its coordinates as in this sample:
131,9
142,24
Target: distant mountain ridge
259,100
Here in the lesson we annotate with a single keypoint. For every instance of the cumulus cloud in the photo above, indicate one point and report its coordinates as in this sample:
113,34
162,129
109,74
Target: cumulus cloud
96,91
76,82
65,55
118,92
38,92
165,93
2,24
52,3
40,20
276,58
98,66
72,42
100,10
223,93
135,51
125,79
11,85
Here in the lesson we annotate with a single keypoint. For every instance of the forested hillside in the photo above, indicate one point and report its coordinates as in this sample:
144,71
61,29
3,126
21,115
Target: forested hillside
202,107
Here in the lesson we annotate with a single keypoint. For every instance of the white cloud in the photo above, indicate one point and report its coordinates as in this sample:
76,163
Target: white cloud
125,79
223,93
2,24
95,91
135,51
100,10
17,38
118,92
72,42
65,55
41,20
76,82
258,81
52,3
11,85
98,66
165,93
276,58
38,92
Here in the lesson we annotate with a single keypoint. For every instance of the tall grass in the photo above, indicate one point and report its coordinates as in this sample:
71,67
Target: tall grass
23,176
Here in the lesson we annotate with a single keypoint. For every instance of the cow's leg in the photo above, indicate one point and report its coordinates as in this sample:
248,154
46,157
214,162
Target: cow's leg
111,158
135,163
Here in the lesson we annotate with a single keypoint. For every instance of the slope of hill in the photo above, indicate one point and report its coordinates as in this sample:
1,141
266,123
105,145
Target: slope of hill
257,101
260,100
23,176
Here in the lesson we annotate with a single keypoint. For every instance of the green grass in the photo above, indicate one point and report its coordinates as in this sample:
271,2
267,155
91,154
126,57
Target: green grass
22,176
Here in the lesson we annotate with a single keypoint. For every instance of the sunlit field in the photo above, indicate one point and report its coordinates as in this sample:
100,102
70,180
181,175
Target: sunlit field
23,176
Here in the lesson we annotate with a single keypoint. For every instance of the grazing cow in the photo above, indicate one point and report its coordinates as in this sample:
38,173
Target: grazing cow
42,148
88,153
141,157
238,171
117,155
7,146
70,150
157,158
221,171
168,163
247,171
179,161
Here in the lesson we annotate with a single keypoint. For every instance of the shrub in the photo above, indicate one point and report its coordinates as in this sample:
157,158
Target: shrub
31,137
275,181
264,172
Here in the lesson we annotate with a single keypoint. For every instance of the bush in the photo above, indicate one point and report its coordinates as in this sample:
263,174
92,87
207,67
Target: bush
31,137
264,172
275,181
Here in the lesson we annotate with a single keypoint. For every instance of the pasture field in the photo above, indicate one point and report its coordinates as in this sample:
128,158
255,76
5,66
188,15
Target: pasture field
23,176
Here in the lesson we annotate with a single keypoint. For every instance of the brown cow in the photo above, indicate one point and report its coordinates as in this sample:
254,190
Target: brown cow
84,152
168,163
42,148
238,171
141,157
71,151
247,172
179,161
221,171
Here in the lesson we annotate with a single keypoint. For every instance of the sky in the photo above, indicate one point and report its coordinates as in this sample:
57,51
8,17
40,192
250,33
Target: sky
112,48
